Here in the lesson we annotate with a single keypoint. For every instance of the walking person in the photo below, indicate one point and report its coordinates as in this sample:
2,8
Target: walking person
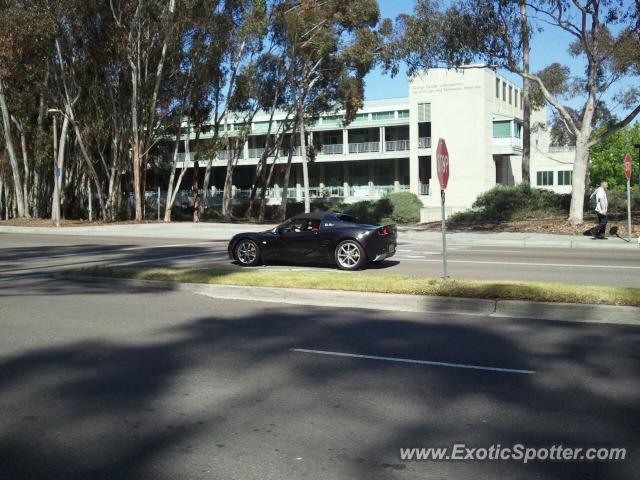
601,205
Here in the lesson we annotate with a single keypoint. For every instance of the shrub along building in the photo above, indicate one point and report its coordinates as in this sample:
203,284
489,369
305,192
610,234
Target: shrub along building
390,144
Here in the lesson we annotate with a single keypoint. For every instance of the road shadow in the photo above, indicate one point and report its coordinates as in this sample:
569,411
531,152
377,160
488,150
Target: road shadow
53,259
186,387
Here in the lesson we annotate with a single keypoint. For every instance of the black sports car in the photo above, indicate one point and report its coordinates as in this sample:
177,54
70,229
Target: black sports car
319,237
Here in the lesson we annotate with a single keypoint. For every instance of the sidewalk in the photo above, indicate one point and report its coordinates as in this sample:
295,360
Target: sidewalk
224,231
533,240
180,230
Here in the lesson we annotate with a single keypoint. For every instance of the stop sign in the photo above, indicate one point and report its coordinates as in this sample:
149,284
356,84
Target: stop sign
627,166
442,156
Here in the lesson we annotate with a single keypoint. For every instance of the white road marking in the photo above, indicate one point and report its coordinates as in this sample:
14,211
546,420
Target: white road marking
176,245
418,362
175,257
529,264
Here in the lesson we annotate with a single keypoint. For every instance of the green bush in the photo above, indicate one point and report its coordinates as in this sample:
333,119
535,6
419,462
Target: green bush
405,207
618,200
514,202
401,208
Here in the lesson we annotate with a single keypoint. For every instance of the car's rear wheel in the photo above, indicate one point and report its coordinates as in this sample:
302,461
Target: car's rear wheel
247,253
349,255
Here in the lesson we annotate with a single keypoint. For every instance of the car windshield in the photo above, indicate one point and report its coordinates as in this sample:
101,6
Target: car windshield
298,225
346,218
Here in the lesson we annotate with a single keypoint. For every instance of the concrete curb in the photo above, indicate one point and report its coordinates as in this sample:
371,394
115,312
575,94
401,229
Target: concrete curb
516,309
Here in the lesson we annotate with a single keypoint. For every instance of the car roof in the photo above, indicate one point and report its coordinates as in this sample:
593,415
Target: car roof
311,216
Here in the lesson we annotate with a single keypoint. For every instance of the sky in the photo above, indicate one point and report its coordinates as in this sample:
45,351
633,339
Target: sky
546,47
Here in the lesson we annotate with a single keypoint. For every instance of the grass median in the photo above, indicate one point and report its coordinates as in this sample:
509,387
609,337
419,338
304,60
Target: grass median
380,283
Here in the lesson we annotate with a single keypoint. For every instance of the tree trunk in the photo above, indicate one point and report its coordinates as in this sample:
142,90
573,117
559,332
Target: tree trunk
258,179
92,172
35,194
171,196
263,193
56,212
135,144
89,199
202,203
303,154
111,186
1,192
526,101
196,174
15,169
6,201
25,163
580,166
285,191
227,194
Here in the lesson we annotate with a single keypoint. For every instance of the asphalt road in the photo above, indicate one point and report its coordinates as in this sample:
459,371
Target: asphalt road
23,254
110,382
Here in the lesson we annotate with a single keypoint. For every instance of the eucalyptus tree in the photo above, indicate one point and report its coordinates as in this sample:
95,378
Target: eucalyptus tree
330,46
271,100
147,30
25,38
605,37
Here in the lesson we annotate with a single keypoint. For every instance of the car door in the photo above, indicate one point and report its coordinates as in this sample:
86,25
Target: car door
271,246
300,242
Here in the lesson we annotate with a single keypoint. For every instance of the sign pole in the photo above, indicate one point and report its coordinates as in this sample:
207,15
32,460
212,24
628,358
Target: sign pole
629,209
444,235
627,173
442,158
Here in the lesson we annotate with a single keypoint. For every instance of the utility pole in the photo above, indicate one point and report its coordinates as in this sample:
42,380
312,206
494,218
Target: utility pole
56,171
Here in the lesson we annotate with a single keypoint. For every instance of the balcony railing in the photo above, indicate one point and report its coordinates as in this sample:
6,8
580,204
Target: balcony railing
507,141
364,147
284,151
376,191
332,149
255,152
396,145
424,142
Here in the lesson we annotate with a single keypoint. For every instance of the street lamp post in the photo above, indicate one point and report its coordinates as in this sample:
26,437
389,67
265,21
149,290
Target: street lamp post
57,174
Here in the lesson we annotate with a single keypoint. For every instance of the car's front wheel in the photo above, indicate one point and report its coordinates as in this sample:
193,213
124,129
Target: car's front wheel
247,253
349,255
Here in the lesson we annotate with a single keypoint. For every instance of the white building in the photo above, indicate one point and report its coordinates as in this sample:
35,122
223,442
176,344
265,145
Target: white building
388,146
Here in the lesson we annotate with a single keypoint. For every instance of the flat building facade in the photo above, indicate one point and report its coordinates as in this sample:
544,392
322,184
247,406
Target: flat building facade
390,145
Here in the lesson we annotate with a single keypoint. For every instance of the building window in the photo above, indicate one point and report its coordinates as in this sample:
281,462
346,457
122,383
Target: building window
261,125
424,112
545,178
336,120
517,130
515,98
510,94
521,100
564,177
497,88
504,91
502,129
361,117
382,116
403,113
